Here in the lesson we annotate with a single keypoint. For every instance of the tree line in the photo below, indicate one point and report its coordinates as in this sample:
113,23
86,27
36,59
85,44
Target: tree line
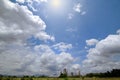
112,73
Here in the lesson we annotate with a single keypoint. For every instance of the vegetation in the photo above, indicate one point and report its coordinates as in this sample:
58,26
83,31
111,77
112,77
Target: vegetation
113,73
93,78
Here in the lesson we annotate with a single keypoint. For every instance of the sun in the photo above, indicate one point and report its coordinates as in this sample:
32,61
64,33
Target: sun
58,7
56,3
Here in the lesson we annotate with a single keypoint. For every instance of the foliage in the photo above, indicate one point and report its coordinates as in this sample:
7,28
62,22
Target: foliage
113,73
63,75
85,78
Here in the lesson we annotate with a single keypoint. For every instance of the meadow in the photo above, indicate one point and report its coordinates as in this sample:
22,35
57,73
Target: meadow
6,78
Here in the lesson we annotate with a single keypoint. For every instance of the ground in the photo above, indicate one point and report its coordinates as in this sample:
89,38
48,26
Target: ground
5,78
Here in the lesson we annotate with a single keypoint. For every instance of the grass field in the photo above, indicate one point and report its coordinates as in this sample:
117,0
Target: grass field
5,78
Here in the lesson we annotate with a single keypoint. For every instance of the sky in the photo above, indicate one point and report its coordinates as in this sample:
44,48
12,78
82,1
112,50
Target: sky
42,37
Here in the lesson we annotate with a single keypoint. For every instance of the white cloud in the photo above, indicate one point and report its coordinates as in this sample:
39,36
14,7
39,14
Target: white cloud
20,1
43,60
30,1
43,0
17,24
70,16
91,42
75,68
105,55
62,46
44,36
71,30
83,13
118,31
77,7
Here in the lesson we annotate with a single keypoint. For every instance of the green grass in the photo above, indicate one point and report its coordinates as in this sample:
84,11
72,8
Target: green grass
5,78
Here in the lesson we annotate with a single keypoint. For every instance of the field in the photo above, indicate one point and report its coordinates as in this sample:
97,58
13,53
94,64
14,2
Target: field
5,78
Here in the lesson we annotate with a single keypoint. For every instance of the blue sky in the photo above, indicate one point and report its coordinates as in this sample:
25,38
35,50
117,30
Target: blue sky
77,33
101,19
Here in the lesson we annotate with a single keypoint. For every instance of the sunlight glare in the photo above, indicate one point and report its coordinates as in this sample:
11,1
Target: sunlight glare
58,7
56,3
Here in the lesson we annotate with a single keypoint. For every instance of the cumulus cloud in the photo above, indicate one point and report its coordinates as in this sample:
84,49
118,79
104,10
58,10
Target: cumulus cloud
17,25
20,1
62,46
30,1
42,61
16,61
75,69
52,62
104,56
91,42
